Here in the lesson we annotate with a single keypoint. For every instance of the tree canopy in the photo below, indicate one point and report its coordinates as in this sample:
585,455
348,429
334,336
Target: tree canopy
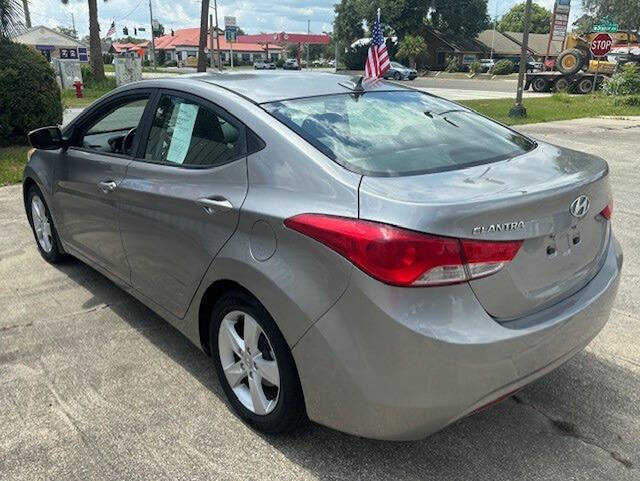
625,13
410,17
459,17
10,16
513,20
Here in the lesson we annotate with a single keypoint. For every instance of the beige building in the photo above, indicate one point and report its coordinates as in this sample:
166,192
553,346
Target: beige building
53,44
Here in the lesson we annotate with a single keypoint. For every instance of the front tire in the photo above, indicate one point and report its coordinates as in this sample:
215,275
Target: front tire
397,76
44,230
254,364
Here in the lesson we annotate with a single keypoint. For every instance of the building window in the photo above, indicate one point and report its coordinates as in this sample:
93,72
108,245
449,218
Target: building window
246,57
192,53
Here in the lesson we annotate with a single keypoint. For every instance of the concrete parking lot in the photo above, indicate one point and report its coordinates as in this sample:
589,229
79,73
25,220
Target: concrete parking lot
93,385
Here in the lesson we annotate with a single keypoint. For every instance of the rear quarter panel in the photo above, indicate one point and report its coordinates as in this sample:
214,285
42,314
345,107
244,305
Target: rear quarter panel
294,277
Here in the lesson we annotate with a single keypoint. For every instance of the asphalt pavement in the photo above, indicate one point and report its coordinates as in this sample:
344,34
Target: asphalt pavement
95,386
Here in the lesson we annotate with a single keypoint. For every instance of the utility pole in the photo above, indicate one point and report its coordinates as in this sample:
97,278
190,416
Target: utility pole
211,55
27,16
73,24
518,109
215,10
153,47
308,45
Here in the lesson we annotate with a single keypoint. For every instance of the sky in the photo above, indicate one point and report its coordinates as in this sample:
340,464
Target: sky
253,16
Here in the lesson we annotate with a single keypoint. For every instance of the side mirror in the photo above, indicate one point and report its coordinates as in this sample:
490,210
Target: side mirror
46,138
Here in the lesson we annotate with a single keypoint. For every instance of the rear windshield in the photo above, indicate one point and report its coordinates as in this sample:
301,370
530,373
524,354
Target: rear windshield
398,132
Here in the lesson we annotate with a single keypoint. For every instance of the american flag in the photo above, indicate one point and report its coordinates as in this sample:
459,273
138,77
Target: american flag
112,30
378,57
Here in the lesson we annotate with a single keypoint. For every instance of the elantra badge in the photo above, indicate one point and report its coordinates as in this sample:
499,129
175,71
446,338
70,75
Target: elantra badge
506,227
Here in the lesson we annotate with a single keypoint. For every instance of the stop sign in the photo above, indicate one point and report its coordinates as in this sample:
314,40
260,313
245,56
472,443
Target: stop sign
601,44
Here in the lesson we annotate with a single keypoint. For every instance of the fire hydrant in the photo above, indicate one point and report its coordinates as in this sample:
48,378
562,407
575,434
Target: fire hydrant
78,85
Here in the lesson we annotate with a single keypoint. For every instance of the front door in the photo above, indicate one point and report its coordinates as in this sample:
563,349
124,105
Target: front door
181,197
87,179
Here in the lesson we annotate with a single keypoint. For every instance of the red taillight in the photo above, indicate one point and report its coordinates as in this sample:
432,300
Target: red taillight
607,212
405,258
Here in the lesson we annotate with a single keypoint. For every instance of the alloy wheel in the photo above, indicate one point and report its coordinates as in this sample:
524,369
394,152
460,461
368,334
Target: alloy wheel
248,362
41,224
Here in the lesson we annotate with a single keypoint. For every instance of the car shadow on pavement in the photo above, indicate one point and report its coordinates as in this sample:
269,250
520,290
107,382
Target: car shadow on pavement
569,424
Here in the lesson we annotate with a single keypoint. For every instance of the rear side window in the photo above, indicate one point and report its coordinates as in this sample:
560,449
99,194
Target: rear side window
187,133
398,133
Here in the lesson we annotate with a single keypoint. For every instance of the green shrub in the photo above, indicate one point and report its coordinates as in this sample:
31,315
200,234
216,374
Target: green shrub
88,77
452,65
475,67
503,67
355,57
628,101
280,62
147,63
30,95
626,82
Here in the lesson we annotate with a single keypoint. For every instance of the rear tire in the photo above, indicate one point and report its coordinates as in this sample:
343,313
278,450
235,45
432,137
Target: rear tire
397,76
561,85
270,406
540,85
585,86
570,61
44,231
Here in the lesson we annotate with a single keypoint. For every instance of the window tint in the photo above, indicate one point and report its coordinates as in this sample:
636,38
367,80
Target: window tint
399,132
186,133
113,132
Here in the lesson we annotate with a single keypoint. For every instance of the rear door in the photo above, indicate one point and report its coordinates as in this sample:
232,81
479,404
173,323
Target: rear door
181,198
89,173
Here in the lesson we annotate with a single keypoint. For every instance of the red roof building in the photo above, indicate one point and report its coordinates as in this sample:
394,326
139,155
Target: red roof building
184,44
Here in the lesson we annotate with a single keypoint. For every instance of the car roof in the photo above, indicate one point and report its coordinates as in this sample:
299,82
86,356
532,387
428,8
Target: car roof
263,87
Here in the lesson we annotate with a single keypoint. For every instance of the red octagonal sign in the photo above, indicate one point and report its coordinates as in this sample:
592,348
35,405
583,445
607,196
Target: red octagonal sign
601,44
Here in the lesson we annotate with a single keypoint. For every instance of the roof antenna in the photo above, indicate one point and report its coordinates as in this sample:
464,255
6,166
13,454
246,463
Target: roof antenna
354,83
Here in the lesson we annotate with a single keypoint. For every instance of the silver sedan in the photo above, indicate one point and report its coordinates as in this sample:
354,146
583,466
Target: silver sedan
361,254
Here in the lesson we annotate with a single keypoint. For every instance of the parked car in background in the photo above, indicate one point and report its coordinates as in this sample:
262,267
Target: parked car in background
291,64
487,64
532,64
341,252
400,72
264,65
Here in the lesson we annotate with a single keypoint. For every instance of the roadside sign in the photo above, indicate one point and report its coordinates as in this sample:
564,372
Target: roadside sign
230,33
606,25
230,22
601,44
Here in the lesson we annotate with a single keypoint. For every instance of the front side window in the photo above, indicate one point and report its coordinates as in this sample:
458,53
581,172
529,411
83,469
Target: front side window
115,131
186,133
398,132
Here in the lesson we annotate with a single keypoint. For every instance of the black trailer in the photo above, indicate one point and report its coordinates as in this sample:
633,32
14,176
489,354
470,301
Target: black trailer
581,82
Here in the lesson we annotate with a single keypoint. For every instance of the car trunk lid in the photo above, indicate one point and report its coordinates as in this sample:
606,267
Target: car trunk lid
527,198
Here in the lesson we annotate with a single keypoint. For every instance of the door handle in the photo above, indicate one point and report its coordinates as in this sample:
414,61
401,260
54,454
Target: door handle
216,204
107,186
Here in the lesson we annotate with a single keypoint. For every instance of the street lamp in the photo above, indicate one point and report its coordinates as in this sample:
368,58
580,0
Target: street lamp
518,109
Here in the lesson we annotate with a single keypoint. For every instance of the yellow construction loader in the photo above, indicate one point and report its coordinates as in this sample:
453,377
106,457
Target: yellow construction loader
576,55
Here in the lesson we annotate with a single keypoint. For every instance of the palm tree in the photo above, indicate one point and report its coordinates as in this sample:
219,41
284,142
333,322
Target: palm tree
95,49
411,48
204,16
10,16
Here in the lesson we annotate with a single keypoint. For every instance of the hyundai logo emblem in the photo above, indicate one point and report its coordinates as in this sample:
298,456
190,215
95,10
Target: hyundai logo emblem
580,206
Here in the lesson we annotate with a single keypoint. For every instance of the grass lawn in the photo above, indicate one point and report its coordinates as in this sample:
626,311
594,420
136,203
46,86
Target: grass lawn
69,99
556,107
12,162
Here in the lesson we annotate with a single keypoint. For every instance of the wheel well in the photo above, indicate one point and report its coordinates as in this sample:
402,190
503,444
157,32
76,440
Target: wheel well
26,186
209,299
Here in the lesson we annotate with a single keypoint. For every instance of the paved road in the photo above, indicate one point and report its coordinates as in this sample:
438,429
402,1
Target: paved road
93,385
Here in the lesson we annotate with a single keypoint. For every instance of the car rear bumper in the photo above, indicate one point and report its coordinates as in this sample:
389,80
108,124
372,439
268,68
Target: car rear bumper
399,364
